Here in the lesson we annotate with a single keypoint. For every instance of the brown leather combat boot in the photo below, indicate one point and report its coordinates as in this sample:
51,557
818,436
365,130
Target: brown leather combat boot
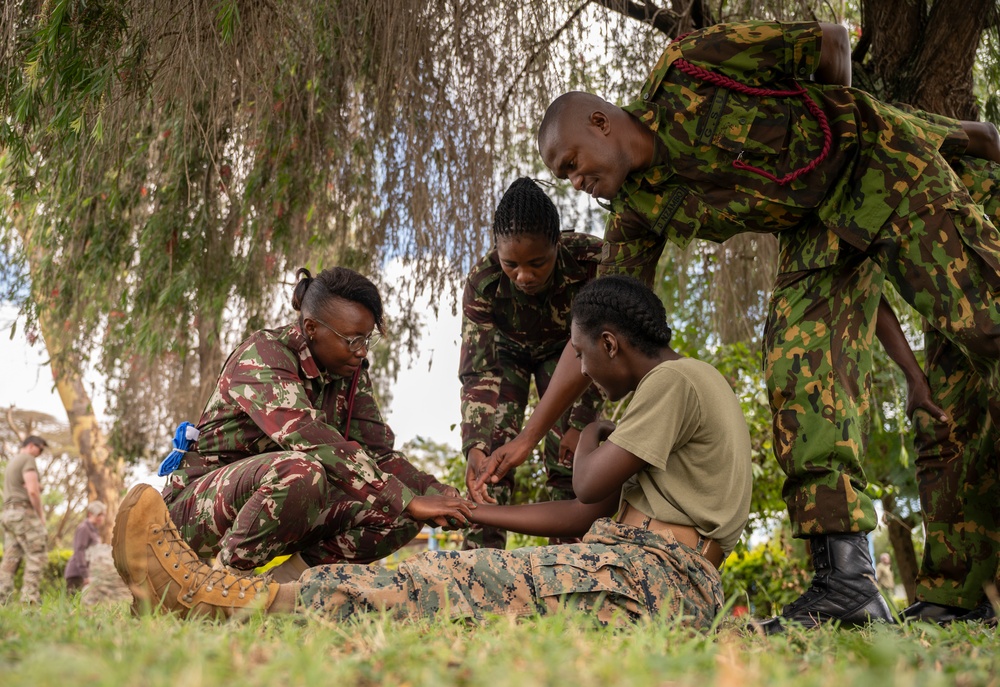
165,575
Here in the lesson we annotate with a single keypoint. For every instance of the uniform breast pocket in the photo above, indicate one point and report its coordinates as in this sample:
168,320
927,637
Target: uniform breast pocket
741,123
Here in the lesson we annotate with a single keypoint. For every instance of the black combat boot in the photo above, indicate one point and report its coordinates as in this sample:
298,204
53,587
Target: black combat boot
983,613
843,587
928,612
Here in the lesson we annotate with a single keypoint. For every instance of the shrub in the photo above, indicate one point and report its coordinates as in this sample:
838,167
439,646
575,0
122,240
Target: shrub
768,576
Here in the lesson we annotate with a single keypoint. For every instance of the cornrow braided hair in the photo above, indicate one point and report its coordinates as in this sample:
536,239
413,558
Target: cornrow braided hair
625,305
312,295
526,209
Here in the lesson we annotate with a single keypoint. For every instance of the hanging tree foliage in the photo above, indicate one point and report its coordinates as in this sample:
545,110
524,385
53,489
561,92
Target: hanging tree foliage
166,165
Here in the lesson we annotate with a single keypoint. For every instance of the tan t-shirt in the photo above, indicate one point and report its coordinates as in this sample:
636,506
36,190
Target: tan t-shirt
14,492
685,421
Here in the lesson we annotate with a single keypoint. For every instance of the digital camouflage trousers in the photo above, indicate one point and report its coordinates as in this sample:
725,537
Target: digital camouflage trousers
618,573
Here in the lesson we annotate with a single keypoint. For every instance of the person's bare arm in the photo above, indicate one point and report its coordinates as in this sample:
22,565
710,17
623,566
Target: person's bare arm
835,56
601,467
546,519
565,387
918,393
984,140
34,489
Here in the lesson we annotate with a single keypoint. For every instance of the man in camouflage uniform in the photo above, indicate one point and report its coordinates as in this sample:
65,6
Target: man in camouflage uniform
23,523
729,135
278,470
508,336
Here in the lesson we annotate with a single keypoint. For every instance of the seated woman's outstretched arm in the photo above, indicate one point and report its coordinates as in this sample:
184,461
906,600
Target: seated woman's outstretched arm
547,519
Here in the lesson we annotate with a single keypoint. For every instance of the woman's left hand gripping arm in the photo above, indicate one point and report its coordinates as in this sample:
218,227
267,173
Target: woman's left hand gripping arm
449,512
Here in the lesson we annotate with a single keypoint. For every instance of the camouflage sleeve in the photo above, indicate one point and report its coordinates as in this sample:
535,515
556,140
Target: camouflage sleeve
956,141
265,384
479,370
370,430
586,408
756,52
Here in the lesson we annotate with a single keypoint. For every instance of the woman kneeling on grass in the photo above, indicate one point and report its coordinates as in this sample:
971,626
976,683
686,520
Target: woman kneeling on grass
675,474
293,456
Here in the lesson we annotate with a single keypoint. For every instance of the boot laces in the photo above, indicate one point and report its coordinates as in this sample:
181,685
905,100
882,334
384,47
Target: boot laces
203,575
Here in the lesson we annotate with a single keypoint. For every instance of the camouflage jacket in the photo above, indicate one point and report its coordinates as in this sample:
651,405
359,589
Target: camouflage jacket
499,321
271,396
692,188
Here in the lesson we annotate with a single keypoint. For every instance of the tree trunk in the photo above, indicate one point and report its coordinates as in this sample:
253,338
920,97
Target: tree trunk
104,474
901,539
920,56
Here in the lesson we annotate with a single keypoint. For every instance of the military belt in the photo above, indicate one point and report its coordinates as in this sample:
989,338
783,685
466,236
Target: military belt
684,534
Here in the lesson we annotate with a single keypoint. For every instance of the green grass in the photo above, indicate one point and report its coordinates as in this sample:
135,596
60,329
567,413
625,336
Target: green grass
64,644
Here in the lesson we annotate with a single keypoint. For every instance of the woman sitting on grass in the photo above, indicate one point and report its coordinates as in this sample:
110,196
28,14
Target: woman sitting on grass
676,471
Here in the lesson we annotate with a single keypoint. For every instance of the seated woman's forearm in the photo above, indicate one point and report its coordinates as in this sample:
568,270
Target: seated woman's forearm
547,519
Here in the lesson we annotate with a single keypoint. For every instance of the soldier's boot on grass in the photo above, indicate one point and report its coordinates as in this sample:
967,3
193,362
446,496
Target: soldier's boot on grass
165,575
843,587
929,612
984,613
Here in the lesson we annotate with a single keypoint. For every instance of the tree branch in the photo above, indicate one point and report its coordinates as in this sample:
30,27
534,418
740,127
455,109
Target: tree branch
534,56
660,18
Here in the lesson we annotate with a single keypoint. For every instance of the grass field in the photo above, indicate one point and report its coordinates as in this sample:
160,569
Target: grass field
63,644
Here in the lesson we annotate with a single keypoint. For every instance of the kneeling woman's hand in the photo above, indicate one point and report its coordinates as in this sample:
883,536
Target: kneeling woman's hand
449,512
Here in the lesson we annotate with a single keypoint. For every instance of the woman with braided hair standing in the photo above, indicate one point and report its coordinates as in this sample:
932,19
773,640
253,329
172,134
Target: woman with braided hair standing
515,325
675,474
292,454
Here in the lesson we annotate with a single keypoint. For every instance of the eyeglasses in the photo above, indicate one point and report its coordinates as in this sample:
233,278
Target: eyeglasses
356,343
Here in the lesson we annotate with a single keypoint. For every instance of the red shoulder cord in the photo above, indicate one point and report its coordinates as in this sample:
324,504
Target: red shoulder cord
350,402
799,91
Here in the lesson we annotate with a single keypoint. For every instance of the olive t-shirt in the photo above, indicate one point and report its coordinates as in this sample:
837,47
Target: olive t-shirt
14,492
685,421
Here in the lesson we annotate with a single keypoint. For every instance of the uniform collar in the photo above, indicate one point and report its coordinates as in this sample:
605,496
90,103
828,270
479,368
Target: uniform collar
297,341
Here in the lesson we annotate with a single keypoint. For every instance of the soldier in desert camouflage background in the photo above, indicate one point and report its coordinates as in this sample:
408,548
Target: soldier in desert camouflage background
22,522
293,455
750,127
515,325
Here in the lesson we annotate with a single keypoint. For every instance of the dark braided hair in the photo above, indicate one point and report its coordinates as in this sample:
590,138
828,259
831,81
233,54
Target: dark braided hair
312,295
525,209
625,305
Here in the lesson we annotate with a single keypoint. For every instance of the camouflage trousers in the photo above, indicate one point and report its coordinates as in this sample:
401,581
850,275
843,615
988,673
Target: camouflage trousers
958,476
511,404
943,257
25,537
617,573
276,504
